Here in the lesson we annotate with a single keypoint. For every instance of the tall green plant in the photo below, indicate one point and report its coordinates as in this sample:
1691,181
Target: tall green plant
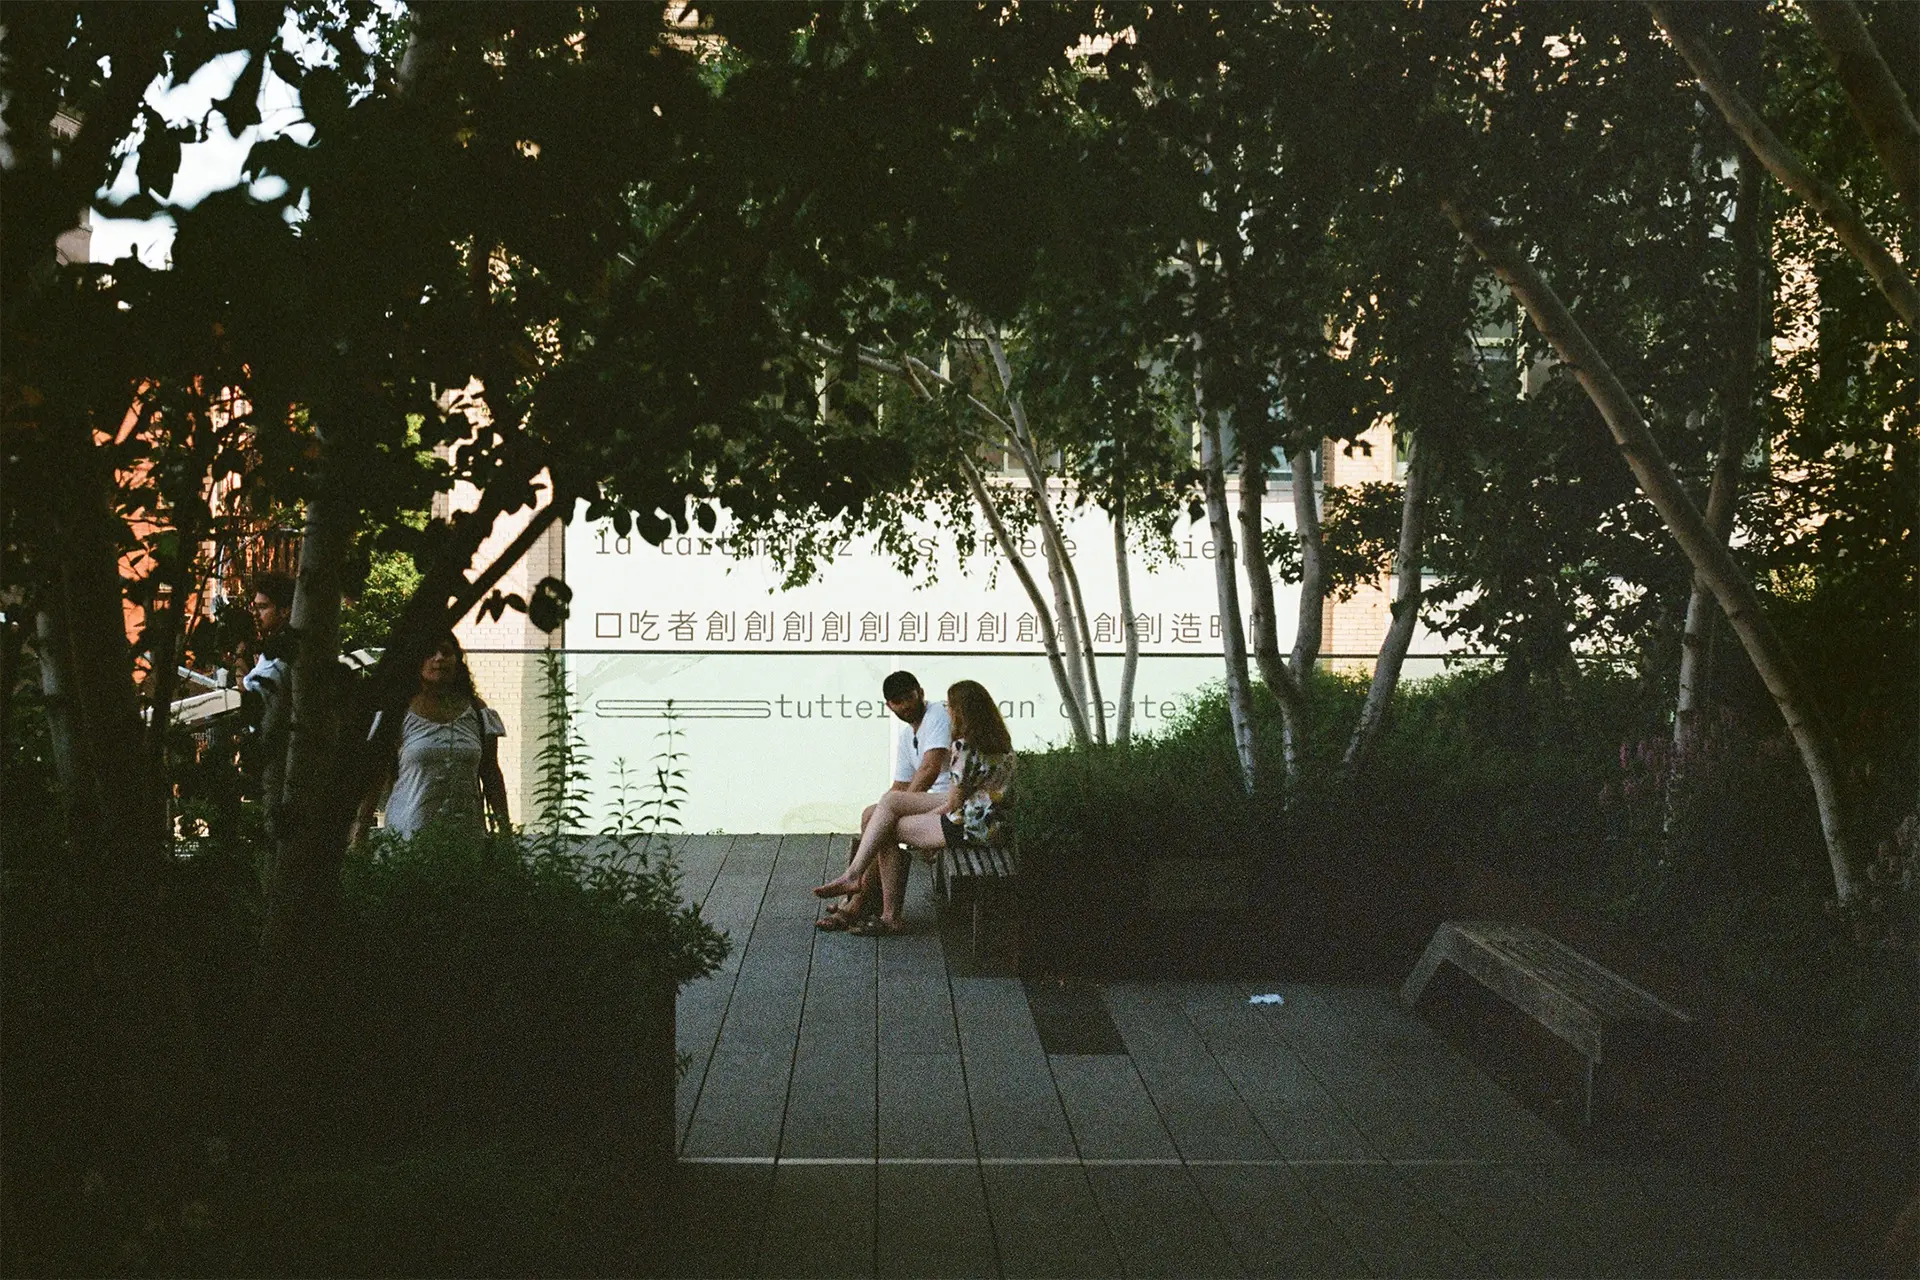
560,792
632,860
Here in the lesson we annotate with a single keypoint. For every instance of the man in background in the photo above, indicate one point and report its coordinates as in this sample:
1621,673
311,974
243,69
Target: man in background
922,753
269,687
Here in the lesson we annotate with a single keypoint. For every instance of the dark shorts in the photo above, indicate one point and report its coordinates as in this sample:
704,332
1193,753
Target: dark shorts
955,836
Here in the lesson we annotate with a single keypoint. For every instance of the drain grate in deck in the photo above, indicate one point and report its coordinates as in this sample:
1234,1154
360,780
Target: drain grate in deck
1071,1017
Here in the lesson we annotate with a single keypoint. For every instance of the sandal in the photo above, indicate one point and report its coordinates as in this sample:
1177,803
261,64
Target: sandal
874,927
836,921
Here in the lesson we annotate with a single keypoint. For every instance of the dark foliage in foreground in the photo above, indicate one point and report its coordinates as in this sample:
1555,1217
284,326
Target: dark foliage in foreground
497,1029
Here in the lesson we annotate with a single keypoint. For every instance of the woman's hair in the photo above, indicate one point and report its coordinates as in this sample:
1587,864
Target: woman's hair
979,718
449,643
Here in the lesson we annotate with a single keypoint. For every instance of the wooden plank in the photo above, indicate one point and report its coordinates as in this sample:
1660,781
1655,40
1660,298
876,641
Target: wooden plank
1299,1117
993,1015
797,869
933,1221
1724,1233
1160,1222
1486,1123
1015,1107
1358,1066
1047,1222
923,1107
1109,1109
1275,1227
916,1013
1297,1112
819,1222
1197,1102
697,1018
1393,1229
915,999
732,904
699,859
1010,1090
830,1108
741,1106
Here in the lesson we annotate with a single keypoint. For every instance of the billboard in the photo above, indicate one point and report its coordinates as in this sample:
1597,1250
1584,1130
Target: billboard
775,693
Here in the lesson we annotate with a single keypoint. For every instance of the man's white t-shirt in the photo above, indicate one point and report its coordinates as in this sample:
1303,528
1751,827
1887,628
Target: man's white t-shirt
910,743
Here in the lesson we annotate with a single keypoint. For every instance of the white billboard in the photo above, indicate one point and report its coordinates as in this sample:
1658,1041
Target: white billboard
777,692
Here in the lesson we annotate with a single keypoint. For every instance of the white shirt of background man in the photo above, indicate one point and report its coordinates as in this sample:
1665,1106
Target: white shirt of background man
911,742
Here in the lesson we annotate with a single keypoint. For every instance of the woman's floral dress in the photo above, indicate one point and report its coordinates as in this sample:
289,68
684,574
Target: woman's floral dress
986,781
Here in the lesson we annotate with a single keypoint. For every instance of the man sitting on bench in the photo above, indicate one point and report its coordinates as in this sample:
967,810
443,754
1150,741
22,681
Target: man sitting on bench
975,812
922,755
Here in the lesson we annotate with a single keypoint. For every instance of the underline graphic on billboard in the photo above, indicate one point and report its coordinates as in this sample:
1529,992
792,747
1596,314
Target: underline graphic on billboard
682,709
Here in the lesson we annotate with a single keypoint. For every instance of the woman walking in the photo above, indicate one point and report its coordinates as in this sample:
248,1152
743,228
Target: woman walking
448,763
975,811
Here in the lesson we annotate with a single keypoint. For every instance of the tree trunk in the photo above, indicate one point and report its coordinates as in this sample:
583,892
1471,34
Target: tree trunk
1313,566
1878,102
1406,609
1076,714
913,372
1265,617
1891,278
93,706
1226,583
55,660
1709,556
302,892
1130,639
1066,581
1753,303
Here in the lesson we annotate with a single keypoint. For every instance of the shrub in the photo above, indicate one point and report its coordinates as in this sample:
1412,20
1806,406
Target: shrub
508,982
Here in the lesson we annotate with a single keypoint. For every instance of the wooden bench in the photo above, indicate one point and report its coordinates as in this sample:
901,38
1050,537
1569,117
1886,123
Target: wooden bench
984,865
1595,1010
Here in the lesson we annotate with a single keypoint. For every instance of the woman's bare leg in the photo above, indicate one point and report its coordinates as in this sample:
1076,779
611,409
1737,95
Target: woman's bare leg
922,831
893,807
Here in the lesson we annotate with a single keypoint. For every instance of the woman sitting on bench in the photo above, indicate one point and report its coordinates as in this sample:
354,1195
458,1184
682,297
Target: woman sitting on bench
973,812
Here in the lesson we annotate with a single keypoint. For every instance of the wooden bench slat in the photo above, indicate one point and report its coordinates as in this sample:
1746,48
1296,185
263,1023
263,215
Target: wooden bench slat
1578,1000
1599,988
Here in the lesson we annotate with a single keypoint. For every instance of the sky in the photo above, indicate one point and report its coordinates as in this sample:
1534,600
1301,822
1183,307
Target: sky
205,167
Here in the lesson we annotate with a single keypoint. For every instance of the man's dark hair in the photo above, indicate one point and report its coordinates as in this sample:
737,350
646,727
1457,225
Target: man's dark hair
897,686
277,587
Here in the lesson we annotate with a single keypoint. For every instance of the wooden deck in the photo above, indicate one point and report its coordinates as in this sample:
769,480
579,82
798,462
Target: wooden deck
859,1107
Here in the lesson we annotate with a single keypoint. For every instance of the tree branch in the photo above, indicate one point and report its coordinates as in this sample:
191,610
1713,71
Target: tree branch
1891,278
1877,100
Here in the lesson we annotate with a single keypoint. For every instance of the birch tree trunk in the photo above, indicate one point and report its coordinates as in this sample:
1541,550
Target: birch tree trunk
916,373
1754,303
1265,617
1076,714
1313,566
1083,664
1892,279
1408,592
1711,560
1878,102
302,889
1226,583
1123,729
